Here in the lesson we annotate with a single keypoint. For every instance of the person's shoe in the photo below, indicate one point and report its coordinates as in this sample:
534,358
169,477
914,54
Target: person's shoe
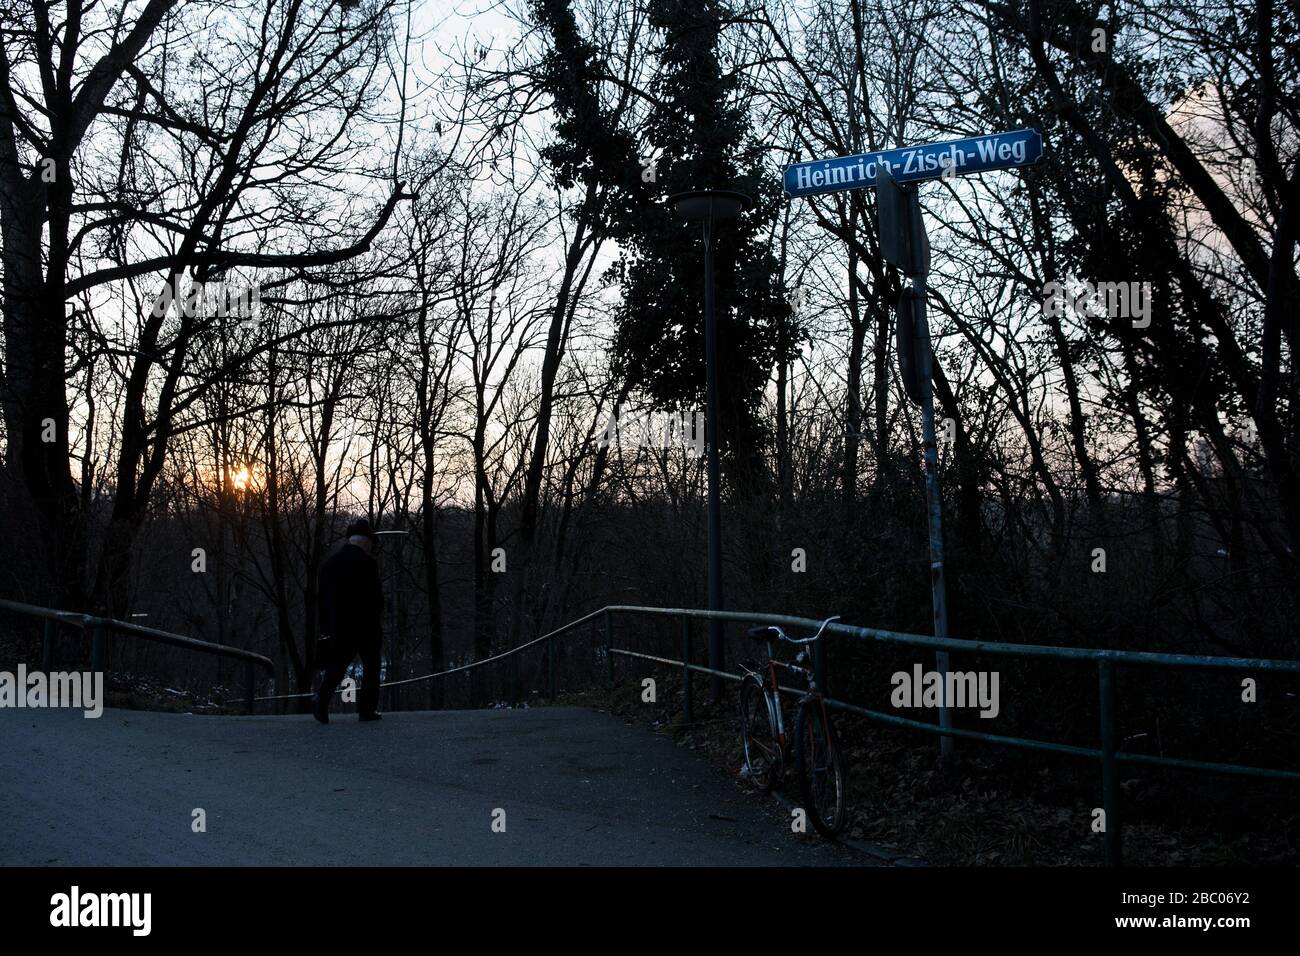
320,711
374,716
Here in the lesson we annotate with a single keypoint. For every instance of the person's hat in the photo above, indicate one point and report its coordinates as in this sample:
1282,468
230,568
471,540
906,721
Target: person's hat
362,527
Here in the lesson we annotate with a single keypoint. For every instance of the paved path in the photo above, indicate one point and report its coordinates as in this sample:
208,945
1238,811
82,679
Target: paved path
577,788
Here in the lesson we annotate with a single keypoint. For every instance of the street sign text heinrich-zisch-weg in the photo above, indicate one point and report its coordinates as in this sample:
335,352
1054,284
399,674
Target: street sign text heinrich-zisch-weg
975,154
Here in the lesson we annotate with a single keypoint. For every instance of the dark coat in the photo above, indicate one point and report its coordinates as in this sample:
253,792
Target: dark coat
350,598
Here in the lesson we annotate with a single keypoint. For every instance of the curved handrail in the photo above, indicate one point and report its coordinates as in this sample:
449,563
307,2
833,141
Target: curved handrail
1094,654
66,617
180,640
1091,654
461,668
91,622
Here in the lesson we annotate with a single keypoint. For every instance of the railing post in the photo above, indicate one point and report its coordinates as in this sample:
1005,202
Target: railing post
1109,776
47,645
99,647
550,666
686,670
250,678
609,646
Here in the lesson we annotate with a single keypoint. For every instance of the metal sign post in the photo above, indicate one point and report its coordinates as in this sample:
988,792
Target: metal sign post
904,243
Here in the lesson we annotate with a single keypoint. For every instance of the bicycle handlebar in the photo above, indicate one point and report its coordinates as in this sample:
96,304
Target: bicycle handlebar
782,635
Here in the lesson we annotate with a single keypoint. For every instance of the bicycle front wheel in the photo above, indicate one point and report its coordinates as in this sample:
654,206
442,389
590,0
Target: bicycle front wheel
820,766
762,751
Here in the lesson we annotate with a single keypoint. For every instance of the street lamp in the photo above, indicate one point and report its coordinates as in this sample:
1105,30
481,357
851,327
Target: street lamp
709,206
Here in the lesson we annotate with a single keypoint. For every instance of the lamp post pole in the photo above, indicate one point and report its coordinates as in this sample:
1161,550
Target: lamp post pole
709,206
717,647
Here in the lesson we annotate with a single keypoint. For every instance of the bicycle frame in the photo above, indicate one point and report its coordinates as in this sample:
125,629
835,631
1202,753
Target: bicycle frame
775,712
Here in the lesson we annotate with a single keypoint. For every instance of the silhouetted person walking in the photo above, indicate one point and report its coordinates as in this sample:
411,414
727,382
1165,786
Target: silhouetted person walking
351,601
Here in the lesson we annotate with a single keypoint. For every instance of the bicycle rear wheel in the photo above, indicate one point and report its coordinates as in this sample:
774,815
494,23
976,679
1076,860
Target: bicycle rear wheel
762,751
820,767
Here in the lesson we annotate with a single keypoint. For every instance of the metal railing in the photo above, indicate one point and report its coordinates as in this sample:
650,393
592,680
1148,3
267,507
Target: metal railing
548,639
1106,661
102,628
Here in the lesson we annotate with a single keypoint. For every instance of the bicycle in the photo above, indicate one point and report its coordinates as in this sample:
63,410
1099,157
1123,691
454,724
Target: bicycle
819,764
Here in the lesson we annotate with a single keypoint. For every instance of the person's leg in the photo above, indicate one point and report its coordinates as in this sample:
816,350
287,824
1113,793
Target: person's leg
335,668
368,701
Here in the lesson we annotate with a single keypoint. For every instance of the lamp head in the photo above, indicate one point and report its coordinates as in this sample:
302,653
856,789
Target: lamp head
710,204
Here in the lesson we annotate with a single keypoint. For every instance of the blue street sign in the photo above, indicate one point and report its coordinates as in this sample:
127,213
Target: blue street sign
958,157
